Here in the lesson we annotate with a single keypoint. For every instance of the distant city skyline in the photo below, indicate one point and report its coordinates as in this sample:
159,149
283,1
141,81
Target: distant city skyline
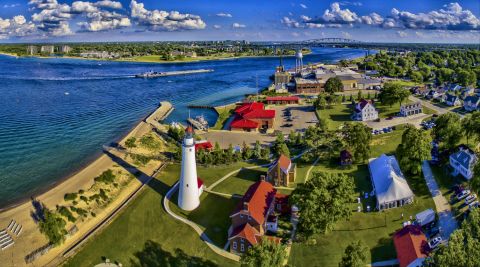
189,20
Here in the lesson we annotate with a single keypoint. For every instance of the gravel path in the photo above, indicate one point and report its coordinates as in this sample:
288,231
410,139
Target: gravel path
448,224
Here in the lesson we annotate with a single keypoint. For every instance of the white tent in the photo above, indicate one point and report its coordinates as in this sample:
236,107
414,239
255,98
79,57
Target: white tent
390,186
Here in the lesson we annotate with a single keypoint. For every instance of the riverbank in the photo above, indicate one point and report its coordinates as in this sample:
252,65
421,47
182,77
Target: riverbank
157,58
31,239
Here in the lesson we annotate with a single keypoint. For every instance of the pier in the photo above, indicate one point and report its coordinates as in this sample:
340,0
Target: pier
154,74
160,114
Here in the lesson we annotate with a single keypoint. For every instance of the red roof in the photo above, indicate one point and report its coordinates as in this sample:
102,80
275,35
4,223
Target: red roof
246,231
199,182
257,200
284,162
239,122
203,145
255,110
409,243
282,98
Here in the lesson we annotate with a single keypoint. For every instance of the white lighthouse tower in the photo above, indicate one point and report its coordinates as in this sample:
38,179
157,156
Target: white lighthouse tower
188,191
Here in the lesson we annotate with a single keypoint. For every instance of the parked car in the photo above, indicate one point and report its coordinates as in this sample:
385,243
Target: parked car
470,199
458,188
434,242
473,205
463,194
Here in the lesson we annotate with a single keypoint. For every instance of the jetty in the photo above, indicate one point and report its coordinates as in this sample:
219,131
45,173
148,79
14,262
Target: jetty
160,114
154,74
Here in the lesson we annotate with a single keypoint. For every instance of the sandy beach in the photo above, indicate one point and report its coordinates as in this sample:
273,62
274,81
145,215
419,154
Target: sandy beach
31,238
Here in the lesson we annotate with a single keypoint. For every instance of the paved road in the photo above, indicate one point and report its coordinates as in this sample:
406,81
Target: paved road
383,123
447,222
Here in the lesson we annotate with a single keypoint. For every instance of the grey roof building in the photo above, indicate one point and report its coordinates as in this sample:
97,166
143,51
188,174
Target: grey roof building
463,161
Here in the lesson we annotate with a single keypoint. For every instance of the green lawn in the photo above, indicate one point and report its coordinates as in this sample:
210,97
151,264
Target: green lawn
212,215
211,174
385,143
239,182
336,115
374,228
224,114
145,235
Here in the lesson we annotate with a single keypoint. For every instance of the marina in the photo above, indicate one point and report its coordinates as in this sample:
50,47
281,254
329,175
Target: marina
155,74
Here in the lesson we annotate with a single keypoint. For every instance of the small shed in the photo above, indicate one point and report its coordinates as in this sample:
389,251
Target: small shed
425,217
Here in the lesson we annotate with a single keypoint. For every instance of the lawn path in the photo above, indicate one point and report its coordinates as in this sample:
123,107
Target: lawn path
448,224
310,169
200,232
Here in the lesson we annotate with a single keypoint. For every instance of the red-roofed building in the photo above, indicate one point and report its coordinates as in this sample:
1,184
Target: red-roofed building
410,243
282,100
204,144
282,172
251,218
251,117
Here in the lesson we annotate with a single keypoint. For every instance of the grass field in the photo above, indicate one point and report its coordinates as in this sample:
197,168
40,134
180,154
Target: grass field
239,182
336,115
145,235
385,143
374,228
224,114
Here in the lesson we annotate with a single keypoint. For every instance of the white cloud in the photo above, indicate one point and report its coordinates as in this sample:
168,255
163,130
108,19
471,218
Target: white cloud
348,3
217,26
453,17
346,35
103,25
11,5
238,25
163,20
109,4
84,7
225,15
15,27
291,22
303,6
372,19
402,34
339,16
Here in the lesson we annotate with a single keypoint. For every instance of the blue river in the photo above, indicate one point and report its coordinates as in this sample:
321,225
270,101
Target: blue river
55,114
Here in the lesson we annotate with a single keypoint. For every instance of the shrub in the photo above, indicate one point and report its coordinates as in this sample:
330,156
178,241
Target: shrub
52,226
130,142
106,177
66,213
70,196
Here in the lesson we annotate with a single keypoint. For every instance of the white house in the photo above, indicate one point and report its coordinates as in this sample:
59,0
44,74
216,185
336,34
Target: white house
388,182
365,111
411,109
452,100
471,103
463,161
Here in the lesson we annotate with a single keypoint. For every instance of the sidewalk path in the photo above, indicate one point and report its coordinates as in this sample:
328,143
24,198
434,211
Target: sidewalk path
448,224
200,232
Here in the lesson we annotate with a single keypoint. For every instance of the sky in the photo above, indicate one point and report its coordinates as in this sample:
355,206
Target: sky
429,21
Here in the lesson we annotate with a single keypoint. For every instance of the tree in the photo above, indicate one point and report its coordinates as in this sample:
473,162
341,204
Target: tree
414,149
333,85
322,201
257,150
393,93
471,126
357,138
265,254
448,129
283,150
53,226
130,142
475,181
355,255
466,77
321,102
463,246
359,95
416,76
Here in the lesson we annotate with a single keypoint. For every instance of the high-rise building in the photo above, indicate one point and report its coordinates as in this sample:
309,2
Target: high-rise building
32,50
190,186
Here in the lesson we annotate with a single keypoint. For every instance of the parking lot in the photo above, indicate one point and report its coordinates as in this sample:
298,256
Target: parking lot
293,118
415,120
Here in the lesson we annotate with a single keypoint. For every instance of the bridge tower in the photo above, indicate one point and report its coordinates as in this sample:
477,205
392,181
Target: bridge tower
299,61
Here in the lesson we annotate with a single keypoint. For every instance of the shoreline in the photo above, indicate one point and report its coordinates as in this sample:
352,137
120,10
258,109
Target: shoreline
146,61
71,174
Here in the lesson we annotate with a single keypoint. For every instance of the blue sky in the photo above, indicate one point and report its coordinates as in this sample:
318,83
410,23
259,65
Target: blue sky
151,20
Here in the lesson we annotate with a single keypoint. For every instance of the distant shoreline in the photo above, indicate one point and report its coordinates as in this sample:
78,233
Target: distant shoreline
134,60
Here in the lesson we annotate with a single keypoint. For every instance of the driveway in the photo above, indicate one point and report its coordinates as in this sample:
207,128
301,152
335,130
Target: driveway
447,222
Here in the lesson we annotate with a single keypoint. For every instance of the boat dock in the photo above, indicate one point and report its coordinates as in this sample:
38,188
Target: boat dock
154,74
197,124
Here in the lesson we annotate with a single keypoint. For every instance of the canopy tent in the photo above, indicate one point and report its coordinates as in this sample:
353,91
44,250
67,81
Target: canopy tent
425,217
390,186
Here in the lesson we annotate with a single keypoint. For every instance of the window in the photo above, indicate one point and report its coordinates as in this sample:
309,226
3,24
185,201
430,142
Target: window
242,247
235,245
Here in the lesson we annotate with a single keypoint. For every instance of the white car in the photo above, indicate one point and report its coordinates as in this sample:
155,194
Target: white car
463,194
434,242
473,205
470,199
